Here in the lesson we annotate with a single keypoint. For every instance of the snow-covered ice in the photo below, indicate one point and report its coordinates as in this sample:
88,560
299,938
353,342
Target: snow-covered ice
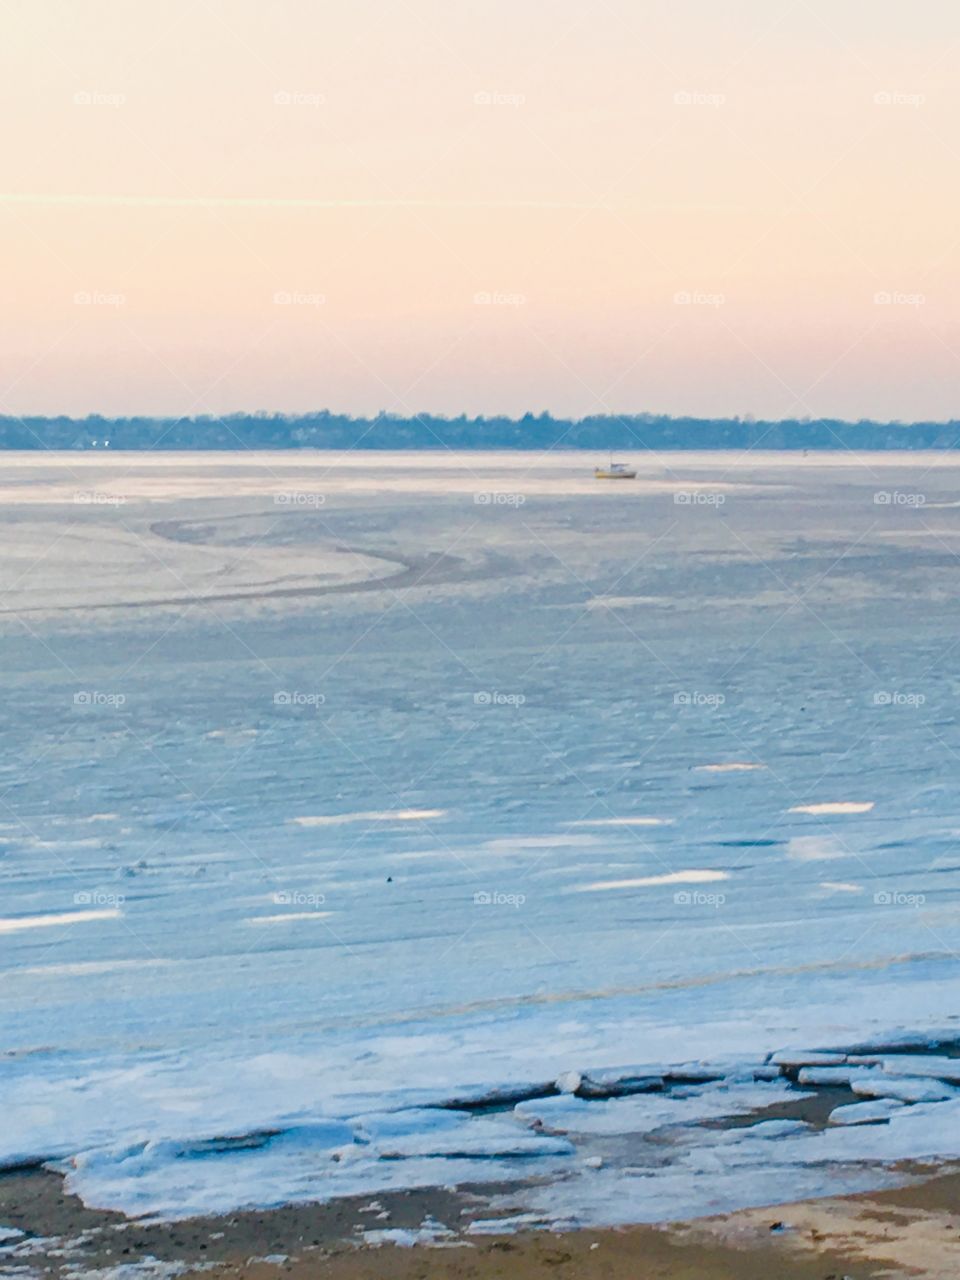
875,1084
322,894
865,1112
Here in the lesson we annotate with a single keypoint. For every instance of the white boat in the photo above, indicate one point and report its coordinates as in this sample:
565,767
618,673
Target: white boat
615,471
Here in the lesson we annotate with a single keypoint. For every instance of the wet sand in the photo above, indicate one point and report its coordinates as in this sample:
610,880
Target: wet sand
913,1231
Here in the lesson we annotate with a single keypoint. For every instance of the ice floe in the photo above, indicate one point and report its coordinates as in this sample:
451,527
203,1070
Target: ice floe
674,1124
731,766
449,1134
640,882
146,1268
833,1076
645,1113
14,924
807,1058
406,1238
569,1081
370,815
874,1084
617,1083
865,1112
834,807
916,1064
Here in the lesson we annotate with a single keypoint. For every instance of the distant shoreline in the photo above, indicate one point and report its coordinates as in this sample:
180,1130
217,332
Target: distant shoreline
482,448
638,433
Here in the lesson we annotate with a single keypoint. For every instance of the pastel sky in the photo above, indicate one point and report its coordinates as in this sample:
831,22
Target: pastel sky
481,206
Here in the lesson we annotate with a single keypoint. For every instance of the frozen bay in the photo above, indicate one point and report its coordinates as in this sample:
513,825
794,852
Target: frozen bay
337,788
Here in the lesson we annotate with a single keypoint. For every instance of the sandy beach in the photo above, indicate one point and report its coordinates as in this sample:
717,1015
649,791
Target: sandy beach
911,1233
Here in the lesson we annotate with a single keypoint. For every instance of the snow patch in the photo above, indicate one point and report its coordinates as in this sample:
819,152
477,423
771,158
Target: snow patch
672,877
834,806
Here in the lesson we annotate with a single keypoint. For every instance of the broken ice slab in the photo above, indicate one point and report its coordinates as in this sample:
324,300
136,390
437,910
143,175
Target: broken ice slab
447,1134
904,1041
833,1076
506,1226
707,1072
648,1112
618,1082
807,1058
484,1097
923,1064
906,1088
865,1112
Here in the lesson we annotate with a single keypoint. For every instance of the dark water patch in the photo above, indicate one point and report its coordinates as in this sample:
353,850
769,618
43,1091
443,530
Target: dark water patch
813,1110
748,844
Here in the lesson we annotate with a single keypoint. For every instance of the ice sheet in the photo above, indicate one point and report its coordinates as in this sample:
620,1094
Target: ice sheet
409,787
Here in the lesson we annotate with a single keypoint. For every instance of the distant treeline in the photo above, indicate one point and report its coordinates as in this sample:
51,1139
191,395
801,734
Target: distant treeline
325,430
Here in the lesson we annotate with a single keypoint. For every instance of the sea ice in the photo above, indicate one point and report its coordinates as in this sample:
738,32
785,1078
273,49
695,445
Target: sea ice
865,1112
874,1085
917,1064
834,1075
807,1058
181,1061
